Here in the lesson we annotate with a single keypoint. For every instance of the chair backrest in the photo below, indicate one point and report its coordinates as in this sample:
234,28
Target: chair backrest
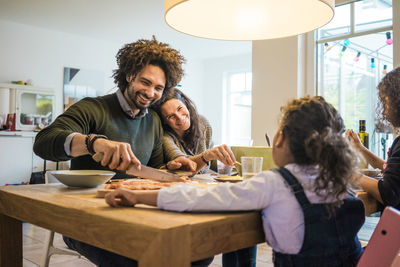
254,151
383,248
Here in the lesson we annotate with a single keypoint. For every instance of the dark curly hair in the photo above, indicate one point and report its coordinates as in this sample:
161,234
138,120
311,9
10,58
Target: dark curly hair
314,130
389,98
193,135
133,57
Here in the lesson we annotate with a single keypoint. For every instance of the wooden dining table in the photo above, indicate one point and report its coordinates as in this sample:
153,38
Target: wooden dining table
151,236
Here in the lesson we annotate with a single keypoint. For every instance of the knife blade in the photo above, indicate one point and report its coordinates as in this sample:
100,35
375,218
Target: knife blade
146,172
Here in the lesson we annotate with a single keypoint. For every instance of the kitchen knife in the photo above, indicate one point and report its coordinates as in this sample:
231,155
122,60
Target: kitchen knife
146,172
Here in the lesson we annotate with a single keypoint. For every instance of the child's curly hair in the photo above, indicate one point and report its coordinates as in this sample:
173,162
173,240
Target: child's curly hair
314,130
389,96
133,57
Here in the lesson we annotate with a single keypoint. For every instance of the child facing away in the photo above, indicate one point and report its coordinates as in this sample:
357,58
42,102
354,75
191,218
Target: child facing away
308,217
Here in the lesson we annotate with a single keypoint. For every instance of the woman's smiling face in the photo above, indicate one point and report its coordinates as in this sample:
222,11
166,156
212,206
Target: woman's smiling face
176,115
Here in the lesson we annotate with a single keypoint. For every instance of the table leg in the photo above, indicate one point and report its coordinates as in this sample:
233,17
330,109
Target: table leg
10,242
172,248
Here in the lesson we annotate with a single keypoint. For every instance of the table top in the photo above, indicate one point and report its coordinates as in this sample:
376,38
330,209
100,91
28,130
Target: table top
147,234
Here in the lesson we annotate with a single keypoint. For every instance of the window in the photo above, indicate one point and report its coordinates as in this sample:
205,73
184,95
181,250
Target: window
236,127
353,54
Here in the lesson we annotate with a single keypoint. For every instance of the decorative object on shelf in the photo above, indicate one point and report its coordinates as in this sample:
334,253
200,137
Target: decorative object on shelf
10,123
247,20
357,57
389,39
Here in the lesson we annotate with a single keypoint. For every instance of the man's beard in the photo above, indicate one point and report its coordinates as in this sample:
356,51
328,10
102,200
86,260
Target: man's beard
136,97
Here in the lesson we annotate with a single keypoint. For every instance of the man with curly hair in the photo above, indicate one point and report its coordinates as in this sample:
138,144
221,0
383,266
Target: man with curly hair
119,125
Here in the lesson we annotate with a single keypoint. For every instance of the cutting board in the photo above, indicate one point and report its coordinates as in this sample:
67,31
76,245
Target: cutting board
101,193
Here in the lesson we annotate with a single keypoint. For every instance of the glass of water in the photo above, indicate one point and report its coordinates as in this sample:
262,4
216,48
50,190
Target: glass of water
251,166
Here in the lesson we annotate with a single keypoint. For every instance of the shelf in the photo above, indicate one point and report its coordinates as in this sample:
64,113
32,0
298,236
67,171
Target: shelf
25,87
18,133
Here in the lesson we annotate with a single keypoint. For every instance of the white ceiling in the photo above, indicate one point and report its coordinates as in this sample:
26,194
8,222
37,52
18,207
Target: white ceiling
116,21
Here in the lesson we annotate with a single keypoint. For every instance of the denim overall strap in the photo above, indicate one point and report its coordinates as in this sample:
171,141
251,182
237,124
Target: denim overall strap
295,187
329,240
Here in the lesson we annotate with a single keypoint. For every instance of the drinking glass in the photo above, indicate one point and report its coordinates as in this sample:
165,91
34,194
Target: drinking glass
251,166
223,169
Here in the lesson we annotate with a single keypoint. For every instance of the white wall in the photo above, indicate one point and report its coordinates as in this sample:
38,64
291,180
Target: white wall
193,80
214,71
38,54
275,82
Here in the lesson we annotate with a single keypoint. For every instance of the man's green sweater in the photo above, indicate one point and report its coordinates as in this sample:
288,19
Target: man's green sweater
102,115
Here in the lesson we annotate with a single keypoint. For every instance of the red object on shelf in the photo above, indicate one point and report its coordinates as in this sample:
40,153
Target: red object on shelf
8,124
14,121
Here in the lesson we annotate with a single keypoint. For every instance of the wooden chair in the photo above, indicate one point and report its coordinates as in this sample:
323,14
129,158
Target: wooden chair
383,248
50,249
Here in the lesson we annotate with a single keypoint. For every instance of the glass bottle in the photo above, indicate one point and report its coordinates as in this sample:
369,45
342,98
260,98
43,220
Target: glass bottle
363,134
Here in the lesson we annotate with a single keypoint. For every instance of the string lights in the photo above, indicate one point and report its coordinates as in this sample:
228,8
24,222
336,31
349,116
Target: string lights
327,47
389,39
342,51
372,63
384,71
357,58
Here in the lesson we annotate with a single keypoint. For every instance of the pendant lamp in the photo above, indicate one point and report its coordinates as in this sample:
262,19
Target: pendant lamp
247,19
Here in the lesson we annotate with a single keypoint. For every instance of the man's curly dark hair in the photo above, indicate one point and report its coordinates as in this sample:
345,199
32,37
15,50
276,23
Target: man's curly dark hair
389,96
133,57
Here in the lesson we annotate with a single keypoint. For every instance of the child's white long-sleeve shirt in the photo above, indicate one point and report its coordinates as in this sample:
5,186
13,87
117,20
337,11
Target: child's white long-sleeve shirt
282,216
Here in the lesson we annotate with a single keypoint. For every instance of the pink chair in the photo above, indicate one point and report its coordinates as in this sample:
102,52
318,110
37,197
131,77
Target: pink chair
383,249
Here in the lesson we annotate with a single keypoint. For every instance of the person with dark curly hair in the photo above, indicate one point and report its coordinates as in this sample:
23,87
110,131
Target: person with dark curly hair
120,125
309,219
387,189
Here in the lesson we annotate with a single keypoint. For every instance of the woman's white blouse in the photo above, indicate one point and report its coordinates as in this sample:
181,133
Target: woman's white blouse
282,216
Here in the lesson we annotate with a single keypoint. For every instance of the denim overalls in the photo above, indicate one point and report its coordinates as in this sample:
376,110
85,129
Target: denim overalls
328,241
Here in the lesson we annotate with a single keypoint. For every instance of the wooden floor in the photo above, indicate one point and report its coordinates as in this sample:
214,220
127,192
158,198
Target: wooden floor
34,236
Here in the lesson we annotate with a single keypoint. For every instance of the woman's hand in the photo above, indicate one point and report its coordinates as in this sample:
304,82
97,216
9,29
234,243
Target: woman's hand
354,139
182,163
221,153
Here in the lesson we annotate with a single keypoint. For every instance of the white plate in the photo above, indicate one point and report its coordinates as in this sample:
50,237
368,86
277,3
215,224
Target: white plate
82,178
230,179
370,172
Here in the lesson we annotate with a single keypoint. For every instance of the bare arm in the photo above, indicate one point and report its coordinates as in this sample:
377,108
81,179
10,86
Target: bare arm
126,197
370,185
221,153
370,157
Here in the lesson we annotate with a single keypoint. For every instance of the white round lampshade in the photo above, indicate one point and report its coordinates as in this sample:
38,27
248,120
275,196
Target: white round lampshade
247,19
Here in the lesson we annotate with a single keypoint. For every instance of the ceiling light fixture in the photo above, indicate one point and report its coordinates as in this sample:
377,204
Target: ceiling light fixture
247,19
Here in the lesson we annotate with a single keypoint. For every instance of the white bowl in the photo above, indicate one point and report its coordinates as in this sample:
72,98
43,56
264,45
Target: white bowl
82,178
